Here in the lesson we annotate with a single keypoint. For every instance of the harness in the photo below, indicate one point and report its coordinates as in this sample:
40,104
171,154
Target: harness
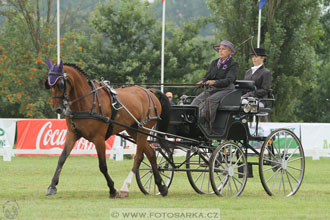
115,106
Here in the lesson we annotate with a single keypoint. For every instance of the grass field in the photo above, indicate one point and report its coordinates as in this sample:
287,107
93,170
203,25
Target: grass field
83,194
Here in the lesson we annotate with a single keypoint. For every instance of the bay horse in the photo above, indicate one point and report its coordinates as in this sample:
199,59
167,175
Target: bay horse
95,111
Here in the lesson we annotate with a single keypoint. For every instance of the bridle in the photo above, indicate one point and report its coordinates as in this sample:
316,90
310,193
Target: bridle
63,87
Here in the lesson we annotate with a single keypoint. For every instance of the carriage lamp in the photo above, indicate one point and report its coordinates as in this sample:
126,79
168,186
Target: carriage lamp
251,106
254,107
246,108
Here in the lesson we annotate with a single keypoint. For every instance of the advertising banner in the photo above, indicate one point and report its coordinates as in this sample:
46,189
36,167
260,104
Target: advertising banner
264,129
7,133
7,138
50,134
316,139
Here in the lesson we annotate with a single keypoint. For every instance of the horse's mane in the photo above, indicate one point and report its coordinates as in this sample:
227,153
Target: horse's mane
78,69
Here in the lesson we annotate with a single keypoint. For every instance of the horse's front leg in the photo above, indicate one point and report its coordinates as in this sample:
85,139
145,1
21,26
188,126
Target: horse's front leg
69,143
100,148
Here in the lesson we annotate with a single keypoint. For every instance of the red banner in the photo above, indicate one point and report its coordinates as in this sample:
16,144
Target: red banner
45,134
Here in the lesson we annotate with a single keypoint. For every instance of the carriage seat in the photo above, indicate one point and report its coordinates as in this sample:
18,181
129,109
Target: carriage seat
233,102
245,85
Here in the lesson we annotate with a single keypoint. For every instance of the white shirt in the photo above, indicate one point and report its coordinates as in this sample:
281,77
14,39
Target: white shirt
254,68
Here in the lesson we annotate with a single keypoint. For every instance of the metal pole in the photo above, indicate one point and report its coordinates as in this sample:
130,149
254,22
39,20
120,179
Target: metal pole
163,48
58,40
259,27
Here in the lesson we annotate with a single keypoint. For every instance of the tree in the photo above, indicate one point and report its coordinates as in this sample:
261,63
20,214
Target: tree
289,32
315,103
25,41
125,47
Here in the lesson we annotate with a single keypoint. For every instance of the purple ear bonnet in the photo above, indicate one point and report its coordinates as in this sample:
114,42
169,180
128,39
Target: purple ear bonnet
55,72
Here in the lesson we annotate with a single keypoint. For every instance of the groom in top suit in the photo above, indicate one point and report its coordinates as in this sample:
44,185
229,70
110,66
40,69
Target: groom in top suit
260,74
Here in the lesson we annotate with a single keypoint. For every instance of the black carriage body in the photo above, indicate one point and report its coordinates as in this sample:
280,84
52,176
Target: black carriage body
230,122
222,166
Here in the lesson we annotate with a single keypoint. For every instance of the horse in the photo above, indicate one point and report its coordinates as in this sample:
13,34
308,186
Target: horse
95,111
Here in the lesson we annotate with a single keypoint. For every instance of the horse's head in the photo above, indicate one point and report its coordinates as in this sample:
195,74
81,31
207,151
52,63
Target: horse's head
58,82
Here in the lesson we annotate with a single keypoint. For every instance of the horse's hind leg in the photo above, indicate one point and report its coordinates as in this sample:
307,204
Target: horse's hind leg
100,148
69,143
151,155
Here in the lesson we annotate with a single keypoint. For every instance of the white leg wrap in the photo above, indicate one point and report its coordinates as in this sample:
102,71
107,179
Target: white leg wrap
127,182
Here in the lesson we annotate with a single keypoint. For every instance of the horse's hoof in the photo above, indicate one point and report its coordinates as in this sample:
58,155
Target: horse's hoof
164,190
51,191
123,194
114,195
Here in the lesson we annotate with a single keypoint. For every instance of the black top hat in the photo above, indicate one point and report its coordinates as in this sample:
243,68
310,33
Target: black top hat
259,52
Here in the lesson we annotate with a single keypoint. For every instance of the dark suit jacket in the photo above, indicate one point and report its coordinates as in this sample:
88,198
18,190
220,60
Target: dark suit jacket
223,78
263,80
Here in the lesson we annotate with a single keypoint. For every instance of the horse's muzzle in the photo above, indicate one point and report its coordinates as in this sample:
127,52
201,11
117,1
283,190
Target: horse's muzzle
59,110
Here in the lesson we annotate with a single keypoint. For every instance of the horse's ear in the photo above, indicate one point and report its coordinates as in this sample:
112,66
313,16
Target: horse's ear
60,68
50,65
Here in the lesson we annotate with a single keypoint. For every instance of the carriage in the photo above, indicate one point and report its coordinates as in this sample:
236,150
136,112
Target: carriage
216,159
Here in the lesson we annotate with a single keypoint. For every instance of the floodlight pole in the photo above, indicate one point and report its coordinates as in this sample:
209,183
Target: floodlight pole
259,29
58,40
163,49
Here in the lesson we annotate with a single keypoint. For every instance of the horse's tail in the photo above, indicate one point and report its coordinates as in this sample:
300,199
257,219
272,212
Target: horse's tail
162,125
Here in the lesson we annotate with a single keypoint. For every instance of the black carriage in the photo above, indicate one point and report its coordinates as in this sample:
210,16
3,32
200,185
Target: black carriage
216,158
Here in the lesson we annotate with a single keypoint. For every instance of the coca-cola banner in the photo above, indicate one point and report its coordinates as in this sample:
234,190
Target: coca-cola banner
47,134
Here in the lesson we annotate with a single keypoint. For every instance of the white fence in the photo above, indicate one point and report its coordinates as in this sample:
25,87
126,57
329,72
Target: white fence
315,138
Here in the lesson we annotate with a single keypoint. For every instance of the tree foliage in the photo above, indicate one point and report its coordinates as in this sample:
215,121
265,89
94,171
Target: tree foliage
289,32
126,45
27,38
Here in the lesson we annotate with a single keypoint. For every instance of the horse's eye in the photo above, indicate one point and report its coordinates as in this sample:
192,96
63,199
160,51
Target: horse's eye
60,85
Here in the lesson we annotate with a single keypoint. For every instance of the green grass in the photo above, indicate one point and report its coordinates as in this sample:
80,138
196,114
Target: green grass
83,194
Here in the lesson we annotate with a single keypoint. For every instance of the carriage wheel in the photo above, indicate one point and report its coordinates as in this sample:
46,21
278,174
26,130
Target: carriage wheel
281,163
228,170
198,172
145,177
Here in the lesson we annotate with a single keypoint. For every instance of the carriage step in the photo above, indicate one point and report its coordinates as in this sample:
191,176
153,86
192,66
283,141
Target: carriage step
250,171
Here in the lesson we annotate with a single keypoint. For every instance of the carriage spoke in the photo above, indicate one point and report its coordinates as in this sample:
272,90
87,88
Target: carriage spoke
148,181
272,161
163,174
295,168
220,163
278,143
229,187
299,158
274,180
293,152
292,176
221,181
270,152
235,184
198,178
149,171
272,175
201,186
238,160
242,165
243,174
146,164
237,180
279,185
270,168
286,172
